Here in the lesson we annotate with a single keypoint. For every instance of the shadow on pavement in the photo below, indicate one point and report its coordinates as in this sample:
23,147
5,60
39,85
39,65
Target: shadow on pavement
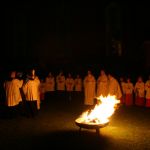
66,139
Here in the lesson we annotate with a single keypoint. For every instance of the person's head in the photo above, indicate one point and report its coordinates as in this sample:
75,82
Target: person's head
140,79
128,80
13,74
89,73
33,72
102,72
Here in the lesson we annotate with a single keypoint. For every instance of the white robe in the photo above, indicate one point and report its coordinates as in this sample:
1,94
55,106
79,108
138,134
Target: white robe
69,84
129,88
31,90
60,80
50,84
12,89
102,86
78,84
147,89
114,88
139,89
89,89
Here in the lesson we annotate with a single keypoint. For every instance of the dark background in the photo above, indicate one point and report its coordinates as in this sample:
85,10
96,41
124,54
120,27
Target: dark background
73,35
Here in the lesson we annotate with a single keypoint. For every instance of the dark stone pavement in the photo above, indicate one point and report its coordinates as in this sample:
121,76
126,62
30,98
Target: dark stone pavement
54,128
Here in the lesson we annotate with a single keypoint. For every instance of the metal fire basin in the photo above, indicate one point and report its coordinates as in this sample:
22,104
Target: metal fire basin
90,125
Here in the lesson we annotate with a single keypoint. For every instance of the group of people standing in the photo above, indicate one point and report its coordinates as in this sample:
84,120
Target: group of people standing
61,84
104,85
135,94
22,93
28,92
91,87
88,85
128,93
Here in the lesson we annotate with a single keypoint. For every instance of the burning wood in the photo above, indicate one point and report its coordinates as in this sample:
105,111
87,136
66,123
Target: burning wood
102,111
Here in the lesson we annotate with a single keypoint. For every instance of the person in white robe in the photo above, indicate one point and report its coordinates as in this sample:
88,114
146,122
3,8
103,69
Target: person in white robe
147,89
102,84
78,89
36,78
50,83
114,87
12,92
139,90
69,85
89,88
31,92
129,88
60,81
78,84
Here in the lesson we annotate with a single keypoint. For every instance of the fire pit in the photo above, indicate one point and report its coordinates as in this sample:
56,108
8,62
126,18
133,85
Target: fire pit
99,116
79,122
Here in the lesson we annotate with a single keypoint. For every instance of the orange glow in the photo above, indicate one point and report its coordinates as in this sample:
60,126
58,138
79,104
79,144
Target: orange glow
101,112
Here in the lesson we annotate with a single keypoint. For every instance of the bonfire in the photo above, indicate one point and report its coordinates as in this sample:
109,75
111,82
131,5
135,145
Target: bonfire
101,113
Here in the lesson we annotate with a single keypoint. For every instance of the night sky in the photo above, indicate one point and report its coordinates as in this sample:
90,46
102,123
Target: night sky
72,32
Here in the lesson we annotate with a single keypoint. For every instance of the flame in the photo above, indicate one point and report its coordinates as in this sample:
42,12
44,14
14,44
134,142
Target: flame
101,112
